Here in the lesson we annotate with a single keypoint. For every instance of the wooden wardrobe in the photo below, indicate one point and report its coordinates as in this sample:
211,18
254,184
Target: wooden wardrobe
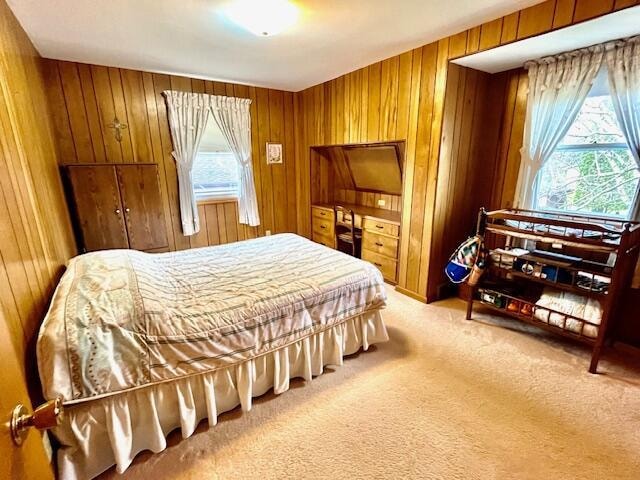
117,206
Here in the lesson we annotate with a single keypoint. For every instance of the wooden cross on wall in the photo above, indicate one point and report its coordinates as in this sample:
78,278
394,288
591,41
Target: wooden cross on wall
117,127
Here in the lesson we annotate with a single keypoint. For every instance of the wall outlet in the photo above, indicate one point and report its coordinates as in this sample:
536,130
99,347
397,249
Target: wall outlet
267,233
381,202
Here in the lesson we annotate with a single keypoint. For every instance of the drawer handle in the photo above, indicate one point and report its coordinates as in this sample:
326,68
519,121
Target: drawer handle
323,213
379,244
377,264
323,226
379,226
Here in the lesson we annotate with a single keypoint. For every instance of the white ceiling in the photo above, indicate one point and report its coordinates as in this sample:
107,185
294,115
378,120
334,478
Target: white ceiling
193,38
625,23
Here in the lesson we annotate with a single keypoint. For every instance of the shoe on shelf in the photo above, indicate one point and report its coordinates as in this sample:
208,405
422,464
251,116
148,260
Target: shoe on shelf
513,306
527,309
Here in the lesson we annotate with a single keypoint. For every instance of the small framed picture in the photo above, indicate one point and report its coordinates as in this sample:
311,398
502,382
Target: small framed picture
274,153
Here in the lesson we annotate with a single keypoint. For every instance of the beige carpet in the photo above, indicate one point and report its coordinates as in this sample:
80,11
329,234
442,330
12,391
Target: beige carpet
445,399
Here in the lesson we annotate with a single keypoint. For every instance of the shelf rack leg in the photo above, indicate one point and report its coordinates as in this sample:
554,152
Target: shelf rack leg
595,357
471,294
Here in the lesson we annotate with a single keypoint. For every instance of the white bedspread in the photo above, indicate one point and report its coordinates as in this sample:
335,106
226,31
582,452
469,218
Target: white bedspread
123,319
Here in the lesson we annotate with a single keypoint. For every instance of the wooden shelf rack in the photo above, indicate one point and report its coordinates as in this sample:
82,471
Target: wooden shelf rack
609,247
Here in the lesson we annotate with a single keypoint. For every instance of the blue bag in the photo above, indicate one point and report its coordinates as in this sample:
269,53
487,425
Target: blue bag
463,259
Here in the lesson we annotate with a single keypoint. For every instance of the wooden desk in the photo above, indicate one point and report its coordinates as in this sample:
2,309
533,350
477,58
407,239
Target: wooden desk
370,212
380,234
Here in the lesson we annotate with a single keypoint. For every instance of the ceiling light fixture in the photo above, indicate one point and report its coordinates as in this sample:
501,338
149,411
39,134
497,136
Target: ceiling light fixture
263,17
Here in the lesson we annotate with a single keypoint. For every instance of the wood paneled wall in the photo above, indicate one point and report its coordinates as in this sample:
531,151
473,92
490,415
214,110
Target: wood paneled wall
469,142
85,99
403,98
388,100
512,109
35,231
369,199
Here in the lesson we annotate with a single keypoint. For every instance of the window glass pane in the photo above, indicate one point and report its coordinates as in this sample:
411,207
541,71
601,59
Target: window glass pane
215,173
592,171
215,170
596,123
597,181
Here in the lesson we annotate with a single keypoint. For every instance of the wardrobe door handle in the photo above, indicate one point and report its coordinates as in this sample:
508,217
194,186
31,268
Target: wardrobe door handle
117,212
127,210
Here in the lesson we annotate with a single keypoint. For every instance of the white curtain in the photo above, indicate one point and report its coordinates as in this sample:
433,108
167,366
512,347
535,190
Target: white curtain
558,87
234,120
623,65
188,113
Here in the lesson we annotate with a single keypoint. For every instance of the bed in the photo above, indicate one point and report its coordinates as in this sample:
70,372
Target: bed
140,344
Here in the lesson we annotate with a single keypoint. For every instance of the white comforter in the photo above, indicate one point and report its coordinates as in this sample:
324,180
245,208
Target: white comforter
123,319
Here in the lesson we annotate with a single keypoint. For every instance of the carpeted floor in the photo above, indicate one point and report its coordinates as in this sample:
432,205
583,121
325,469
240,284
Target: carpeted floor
444,398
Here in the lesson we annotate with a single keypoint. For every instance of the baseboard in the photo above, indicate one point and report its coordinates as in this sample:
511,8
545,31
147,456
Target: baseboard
411,294
627,348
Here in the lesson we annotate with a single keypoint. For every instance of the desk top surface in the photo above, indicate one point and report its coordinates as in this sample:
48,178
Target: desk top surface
371,212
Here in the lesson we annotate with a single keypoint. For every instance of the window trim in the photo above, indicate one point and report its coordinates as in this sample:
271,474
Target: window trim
212,197
591,146
216,200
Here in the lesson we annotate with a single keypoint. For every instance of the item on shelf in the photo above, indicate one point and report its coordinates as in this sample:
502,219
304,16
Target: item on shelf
504,258
560,258
492,298
527,309
569,311
513,306
552,268
540,227
593,283
595,267
543,271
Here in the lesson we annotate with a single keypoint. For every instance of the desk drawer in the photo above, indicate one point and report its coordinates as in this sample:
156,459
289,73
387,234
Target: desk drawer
386,265
326,240
380,227
323,227
381,244
322,213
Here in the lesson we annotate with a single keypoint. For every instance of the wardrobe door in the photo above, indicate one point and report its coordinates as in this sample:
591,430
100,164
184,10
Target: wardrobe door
98,208
142,204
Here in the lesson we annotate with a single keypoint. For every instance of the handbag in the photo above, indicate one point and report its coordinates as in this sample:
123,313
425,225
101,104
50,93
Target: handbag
464,258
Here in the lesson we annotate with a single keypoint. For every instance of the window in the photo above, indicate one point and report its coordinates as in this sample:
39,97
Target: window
592,171
215,169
